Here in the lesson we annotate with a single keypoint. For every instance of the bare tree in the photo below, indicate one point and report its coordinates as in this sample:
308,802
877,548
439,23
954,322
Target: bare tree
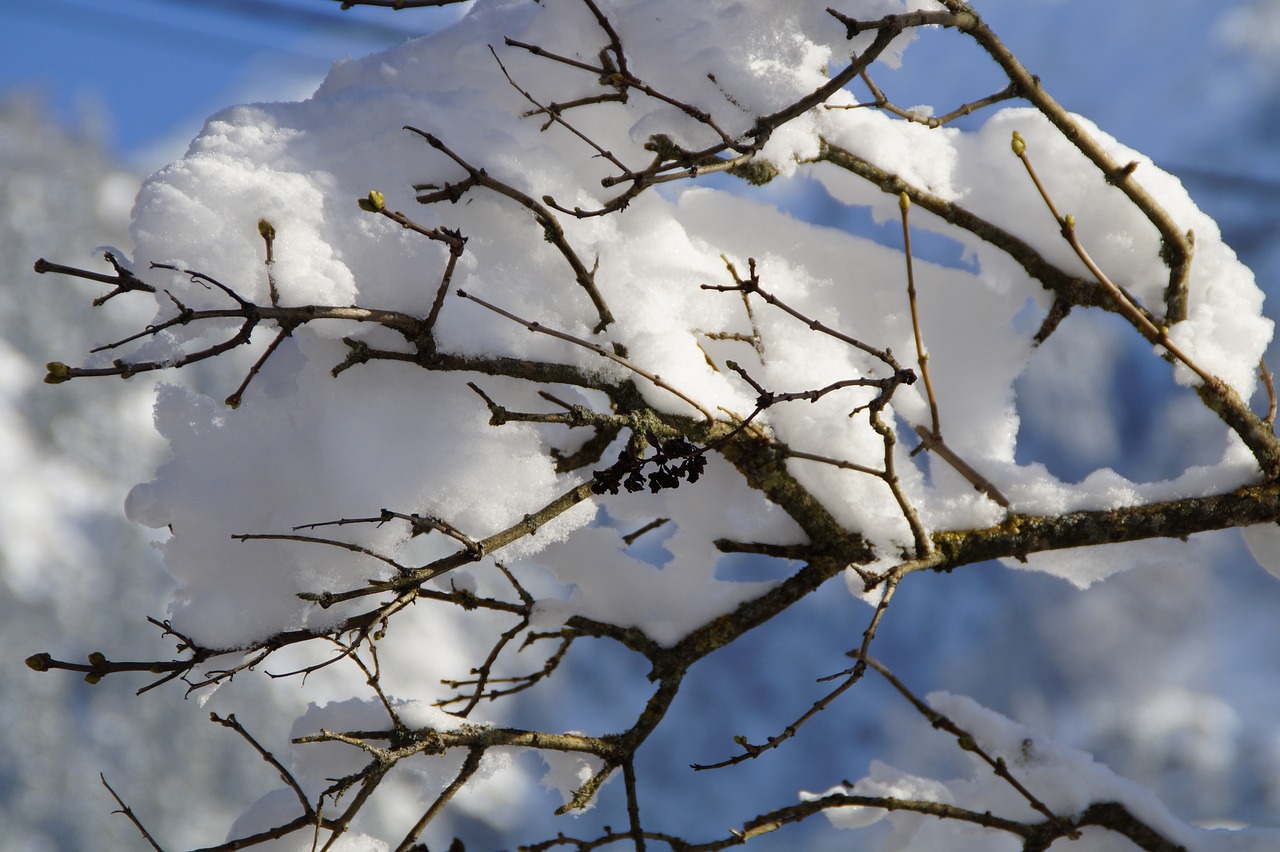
736,406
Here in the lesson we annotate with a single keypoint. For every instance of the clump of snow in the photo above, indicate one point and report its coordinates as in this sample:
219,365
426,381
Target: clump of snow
1065,780
1263,541
306,447
568,771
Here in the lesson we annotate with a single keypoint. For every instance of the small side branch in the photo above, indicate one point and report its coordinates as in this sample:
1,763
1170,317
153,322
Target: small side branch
596,348
469,767
231,722
1218,396
881,101
968,743
123,281
128,812
551,227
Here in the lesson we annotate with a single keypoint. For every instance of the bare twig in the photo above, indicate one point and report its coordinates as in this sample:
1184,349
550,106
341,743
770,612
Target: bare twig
551,227
123,281
1268,382
931,439
882,102
128,812
936,445
231,722
630,538
751,285
469,766
593,347
968,743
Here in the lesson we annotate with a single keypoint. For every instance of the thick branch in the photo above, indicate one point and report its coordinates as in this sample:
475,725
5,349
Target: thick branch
1019,535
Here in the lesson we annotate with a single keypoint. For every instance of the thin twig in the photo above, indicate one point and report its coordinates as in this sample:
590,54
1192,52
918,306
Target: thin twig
469,767
852,676
922,356
630,538
633,804
1129,307
231,722
751,285
931,121
329,542
123,281
936,445
593,347
968,743
128,812
554,117
551,227
1268,382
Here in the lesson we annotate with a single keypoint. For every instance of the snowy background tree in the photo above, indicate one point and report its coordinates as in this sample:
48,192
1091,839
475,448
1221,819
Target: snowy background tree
452,436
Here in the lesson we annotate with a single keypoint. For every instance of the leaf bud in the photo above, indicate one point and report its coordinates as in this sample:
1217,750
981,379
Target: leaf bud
39,662
58,373
1018,144
904,201
97,658
266,229
375,202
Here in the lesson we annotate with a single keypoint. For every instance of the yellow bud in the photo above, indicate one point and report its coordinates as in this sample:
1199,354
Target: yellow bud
58,373
374,202
39,662
1019,144
92,678
1070,221
97,658
904,201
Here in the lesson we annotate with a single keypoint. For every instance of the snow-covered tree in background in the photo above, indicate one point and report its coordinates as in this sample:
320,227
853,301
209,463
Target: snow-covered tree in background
508,314
68,556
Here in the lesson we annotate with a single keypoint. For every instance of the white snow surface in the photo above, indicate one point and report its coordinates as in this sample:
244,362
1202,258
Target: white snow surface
1064,779
306,447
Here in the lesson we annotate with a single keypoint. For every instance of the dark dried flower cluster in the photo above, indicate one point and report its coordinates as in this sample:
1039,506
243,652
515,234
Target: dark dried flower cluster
675,459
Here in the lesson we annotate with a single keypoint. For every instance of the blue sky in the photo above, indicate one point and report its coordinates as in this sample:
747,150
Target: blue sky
153,68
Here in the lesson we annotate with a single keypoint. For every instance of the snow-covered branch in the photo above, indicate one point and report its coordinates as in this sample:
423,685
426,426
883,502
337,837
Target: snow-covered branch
573,254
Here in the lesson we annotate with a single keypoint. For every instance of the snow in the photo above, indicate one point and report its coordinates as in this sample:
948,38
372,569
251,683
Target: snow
1064,779
566,772
303,449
